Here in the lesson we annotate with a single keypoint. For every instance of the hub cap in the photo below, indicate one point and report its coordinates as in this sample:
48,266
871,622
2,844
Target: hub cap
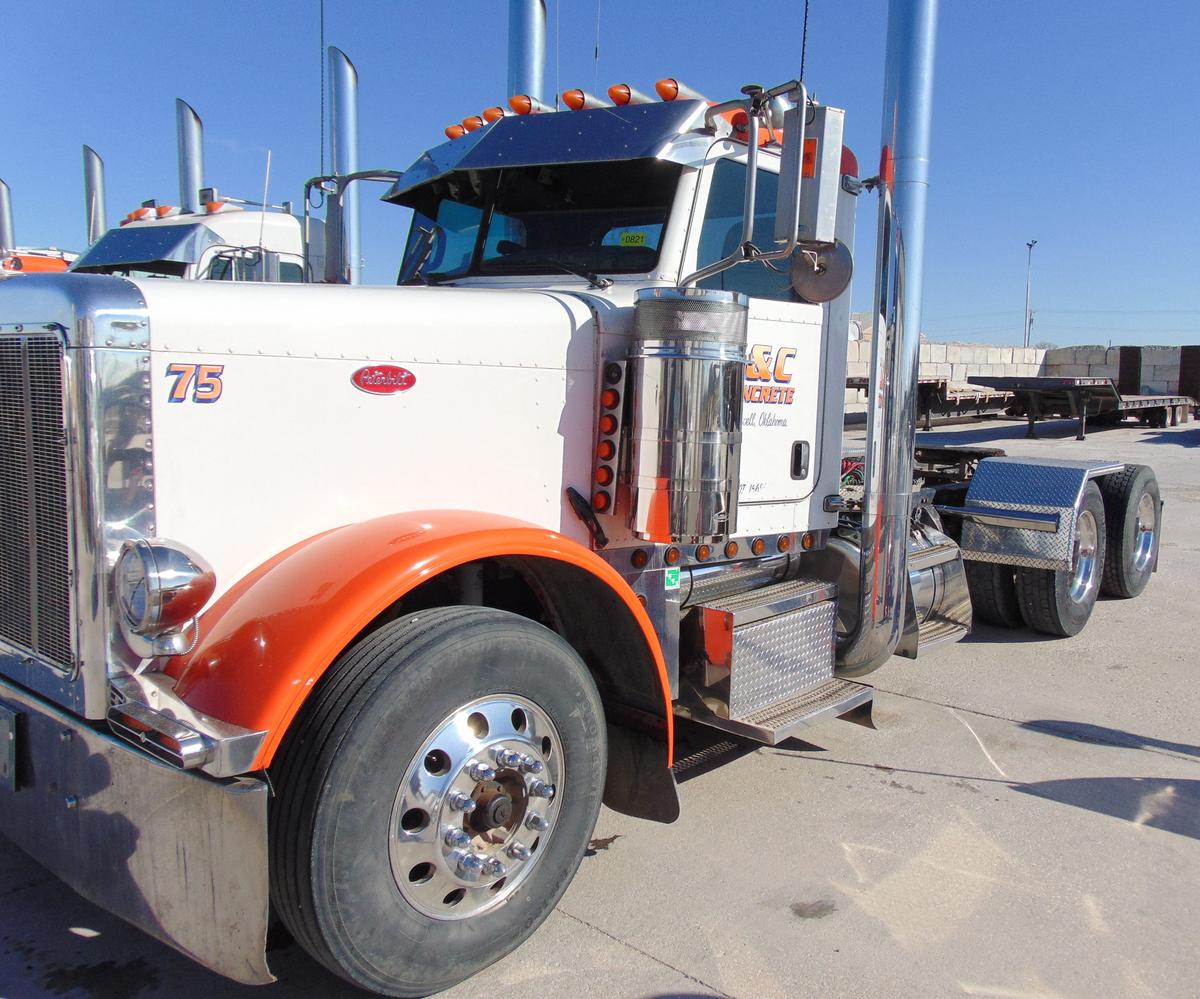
1086,567
1143,542
476,807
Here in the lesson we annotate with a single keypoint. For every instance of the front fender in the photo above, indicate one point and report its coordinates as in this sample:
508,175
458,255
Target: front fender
270,637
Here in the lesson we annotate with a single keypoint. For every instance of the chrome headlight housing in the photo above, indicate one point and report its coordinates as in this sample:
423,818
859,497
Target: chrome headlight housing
160,588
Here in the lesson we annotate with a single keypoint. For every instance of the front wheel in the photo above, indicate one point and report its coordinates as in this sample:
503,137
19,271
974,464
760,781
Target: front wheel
435,797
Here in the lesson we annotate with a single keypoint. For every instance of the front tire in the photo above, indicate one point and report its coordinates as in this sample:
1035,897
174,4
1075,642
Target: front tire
434,798
1060,603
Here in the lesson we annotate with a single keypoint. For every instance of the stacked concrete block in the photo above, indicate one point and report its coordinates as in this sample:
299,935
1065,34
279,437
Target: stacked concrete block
1160,366
1160,370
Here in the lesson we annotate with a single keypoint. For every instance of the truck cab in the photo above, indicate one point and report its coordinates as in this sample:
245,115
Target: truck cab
227,241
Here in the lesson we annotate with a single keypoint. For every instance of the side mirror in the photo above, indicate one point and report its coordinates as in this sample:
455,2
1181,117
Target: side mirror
791,167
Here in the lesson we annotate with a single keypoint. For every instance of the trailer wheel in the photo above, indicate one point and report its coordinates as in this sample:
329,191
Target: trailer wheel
434,798
994,594
1132,511
1060,603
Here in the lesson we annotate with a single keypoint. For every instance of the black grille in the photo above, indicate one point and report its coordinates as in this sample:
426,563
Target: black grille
35,595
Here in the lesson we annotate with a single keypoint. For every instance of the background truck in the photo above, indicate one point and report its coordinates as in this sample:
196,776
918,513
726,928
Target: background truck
16,260
349,606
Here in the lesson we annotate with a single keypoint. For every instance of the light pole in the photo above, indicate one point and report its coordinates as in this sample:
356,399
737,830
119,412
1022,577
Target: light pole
1028,272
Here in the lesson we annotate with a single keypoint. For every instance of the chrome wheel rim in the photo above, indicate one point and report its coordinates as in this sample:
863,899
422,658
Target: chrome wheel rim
1083,583
477,804
1143,542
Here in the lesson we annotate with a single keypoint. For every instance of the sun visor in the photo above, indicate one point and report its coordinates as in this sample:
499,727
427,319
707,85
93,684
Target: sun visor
636,131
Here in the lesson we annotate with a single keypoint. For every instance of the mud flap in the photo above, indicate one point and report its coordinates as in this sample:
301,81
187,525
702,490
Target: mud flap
639,782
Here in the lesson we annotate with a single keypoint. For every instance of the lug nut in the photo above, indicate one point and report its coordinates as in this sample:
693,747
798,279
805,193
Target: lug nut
535,821
461,802
530,766
518,852
506,757
457,838
540,789
494,868
481,771
470,866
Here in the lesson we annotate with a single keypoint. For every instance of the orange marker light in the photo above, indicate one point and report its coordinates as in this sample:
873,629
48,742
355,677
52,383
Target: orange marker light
494,114
808,163
524,104
609,398
473,123
807,542
671,556
671,89
601,502
605,450
784,544
604,475
731,549
639,558
578,99
622,93
455,131
608,424
758,546
703,551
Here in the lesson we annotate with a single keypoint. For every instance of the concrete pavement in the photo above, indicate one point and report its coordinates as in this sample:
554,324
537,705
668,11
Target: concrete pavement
1024,822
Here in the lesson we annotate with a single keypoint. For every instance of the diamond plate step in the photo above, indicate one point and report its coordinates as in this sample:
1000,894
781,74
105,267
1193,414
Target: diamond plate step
771,601
937,631
778,722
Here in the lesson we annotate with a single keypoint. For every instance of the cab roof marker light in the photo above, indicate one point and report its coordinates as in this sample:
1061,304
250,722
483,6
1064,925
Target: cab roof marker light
525,104
496,113
578,99
622,93
473,123
670,89
455,131
163,211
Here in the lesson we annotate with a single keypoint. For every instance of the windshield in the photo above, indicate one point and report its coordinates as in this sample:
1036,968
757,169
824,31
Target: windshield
602,217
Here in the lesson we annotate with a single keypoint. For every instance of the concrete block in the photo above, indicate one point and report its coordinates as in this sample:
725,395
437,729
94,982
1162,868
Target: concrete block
856,369
979,355
959,374
1092,356
993,356
1159,356
1006,355
1060,355
942,370
923,354
955,353
1103,371
1012,370
1039,355
937,353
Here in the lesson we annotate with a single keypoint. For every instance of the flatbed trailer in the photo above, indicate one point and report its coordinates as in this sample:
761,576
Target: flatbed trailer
936,396
1037,397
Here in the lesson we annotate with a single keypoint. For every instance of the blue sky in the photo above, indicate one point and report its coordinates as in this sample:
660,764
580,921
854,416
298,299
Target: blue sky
1073,123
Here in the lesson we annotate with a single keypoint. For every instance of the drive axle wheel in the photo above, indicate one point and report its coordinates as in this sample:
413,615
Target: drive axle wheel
434,798
1132,510
1060,603
994,594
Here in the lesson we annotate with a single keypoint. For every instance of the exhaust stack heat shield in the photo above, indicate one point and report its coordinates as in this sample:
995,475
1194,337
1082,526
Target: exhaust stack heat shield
686,370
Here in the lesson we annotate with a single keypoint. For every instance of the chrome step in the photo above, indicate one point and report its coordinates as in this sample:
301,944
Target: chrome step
937,630
778,722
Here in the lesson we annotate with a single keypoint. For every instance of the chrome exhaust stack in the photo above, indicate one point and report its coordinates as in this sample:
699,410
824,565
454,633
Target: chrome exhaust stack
189,134
345,241
93,194
891,429
686,369
8,242
527,48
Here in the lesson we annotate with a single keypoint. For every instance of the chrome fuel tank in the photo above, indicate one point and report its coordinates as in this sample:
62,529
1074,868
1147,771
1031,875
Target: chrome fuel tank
686,370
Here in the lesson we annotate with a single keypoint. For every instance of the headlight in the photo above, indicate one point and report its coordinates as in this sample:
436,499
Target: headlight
160,588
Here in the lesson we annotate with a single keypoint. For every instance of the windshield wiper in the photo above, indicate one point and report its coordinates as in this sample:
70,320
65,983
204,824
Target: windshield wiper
596,281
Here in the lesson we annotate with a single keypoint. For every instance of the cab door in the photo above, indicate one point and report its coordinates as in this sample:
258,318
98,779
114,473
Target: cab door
783,389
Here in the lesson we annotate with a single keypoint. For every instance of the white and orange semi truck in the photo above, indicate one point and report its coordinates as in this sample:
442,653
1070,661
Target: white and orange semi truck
348,606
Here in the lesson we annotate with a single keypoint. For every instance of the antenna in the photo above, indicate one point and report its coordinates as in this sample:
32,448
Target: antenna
322,88
262,222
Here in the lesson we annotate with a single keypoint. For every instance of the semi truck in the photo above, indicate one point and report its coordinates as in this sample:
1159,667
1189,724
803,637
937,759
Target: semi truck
17,260
346,608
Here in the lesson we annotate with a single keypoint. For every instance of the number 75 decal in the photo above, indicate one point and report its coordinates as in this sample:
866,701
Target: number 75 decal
203,381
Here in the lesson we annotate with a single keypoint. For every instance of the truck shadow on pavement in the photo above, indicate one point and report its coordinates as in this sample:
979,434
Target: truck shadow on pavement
1186,438
1103,736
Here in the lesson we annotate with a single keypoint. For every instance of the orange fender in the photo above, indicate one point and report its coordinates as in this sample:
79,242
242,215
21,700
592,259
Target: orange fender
271,636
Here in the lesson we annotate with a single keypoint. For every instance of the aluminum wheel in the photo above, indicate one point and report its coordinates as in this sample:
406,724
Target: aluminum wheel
477,803
1147,517
1087,567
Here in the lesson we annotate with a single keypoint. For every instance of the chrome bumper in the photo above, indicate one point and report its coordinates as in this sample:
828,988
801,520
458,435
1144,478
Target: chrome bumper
179,855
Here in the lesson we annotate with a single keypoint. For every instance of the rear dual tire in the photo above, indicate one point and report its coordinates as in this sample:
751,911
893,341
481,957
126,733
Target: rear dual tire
1132,508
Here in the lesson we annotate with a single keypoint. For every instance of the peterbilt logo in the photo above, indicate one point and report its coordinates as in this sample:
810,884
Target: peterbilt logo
383,379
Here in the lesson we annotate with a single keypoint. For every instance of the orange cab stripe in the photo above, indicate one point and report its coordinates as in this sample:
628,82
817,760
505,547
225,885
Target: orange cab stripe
269,638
